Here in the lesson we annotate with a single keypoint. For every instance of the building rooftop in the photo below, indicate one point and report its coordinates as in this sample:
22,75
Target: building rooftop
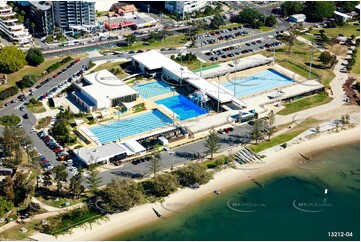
42,5
104,85
94,155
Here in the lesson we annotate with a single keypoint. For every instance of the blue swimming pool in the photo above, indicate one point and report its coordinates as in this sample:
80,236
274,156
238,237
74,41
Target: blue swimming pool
260,82
153,89
182,107
130,126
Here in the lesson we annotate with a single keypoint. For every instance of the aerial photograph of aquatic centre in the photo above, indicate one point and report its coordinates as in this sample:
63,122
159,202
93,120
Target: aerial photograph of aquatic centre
179,120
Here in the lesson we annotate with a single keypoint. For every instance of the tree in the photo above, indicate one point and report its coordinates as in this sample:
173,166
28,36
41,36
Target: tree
130,38
271,123
318,10
48,181
212,144
347,6
271,21
75,186
165,184
208,10
35,57
122,194
23,186
257,131
154,164
291,41
325,58
93,179
8,188
32,26
11,59
292,7
250,16
192,174
217,21
5,206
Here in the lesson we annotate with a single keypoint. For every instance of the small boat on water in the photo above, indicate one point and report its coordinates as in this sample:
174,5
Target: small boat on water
217,192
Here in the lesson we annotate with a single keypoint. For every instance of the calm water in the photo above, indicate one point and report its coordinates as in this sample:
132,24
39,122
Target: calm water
289,206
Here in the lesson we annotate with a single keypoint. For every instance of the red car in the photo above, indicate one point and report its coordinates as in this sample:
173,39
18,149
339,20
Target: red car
77,60
226,130
57,150
46,138
55,76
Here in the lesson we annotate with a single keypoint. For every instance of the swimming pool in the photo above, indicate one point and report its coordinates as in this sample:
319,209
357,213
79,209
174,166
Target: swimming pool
182,107
130,126
153,89
260,82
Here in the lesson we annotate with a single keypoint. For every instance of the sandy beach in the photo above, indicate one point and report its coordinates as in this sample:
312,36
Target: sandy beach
223,180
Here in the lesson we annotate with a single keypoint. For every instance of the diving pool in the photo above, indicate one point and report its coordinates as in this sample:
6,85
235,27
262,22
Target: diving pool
131,126
260,82
182,107
153,89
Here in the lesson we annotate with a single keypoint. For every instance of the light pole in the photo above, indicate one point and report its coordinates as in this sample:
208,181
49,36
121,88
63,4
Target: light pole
200,73
309,71
235,62
219,83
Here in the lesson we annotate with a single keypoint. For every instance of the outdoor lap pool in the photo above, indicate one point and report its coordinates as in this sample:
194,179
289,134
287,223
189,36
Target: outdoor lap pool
131,126
182,107
260,82
153,89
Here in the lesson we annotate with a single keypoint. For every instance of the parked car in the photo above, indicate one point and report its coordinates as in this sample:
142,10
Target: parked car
26,116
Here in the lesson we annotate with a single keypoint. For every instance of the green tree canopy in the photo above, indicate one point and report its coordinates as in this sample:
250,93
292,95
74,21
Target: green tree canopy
347,6
5,206
93,179
192,174
11,59
292,7
35,57
122,194
165,184
130,38
325,58
250,16
271,21
212,144
217,21
317,10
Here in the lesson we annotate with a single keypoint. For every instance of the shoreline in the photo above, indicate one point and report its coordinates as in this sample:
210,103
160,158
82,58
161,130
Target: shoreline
223,180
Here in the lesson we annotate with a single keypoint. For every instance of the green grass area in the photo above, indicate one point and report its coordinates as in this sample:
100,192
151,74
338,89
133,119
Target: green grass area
15,234
9,120
300,70
347,30
29,70
37,109
356,67
58,202
110,66
306,103
43,122
282,138
300,59
206,68
217,161
265,29
170,41
307,36
75,218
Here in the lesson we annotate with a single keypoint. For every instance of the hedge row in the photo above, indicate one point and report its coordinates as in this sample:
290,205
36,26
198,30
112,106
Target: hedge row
8,92
58,64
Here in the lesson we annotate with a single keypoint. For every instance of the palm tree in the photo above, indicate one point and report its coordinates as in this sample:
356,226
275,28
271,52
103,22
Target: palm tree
212,144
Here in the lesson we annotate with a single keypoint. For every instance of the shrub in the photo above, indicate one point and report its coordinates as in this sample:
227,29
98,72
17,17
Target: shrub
35,57
8,92
11,59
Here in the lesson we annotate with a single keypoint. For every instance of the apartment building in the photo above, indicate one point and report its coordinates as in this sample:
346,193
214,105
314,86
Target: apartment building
42,14
10,26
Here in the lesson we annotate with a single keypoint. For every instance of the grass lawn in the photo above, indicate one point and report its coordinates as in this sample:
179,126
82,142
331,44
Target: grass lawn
29,70
356,67
300,59
305,103
282,138
37,109
9,120
170,41
15,234
112,65
346,30
265,29
60,202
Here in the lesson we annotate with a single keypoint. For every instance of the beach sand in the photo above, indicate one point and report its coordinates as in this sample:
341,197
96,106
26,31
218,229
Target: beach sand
223,180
